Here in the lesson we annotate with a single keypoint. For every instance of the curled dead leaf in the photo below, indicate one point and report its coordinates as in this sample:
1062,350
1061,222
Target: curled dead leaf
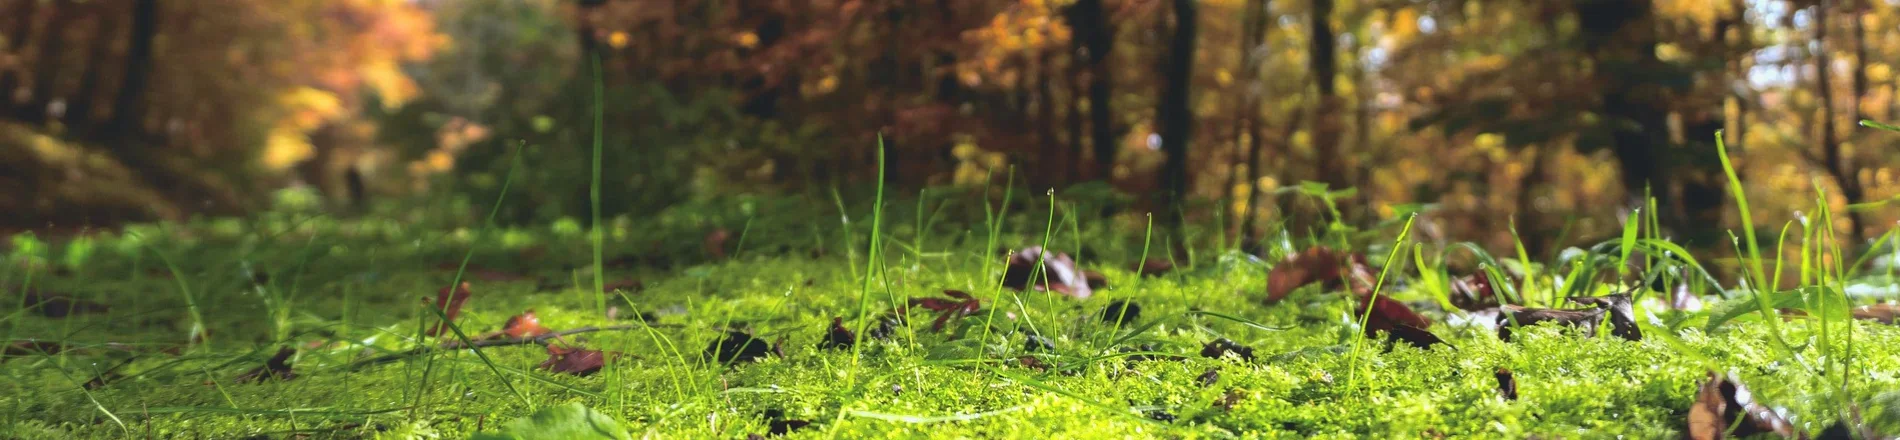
1881,313
1060,271
1622,315
1511,315
1507,384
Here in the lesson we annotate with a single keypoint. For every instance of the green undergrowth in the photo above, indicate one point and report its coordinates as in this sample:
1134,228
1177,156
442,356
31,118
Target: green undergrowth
344,291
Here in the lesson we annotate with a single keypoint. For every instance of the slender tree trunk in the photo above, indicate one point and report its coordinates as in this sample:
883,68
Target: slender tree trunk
52,49
1324,67
1840,167
1529,221
1098,37
98,58
128,108
16,35
1051,146
1620,38
1254,28
1175,113
1072,115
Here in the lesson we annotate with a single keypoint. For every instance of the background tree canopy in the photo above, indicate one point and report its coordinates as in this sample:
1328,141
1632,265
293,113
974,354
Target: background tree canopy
1540,115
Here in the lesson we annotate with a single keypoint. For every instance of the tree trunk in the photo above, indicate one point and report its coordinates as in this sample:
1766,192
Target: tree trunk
1175,114
1840,167
128,110
16,35
1098,37
1051,147
98,57
1254,35
1323,66
1620,38
52,48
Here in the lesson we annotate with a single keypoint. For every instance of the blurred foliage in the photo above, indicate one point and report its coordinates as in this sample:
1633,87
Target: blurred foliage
1544,116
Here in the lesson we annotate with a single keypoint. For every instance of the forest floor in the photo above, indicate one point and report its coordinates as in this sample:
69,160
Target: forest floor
771,317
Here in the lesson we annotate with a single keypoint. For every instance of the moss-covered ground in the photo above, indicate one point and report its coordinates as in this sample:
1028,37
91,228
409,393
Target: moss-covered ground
343,291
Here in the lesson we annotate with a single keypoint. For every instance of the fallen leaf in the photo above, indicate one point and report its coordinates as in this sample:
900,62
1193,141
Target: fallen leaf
1032,362
1507,384
450,305
838,337
1398,322
1319,264
1121,312
1220,348
1722,402
1585,320
1160,415
1622,316
1882,313
715,243
1473,292
60,306
777,424
573,360
737,346
958,305
1095,280
1208,378
1152,267
1060,271
278,367
524,325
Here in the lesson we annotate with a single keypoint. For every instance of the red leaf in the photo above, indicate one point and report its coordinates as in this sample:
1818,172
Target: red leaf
525,325
450,305
576,361
1721,402
29,348
1473,292
959,305
1397,321
1060,271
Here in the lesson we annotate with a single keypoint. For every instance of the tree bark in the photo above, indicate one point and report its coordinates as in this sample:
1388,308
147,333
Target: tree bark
1321,51
128,108
1175,114
1254,29
1098,37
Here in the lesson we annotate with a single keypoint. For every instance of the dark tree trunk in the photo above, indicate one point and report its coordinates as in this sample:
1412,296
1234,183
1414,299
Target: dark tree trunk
128,108
52,48
1050,147
1254,25
1098,37
1620,39
1072,115
1324,66
16,35
1174,112
98,58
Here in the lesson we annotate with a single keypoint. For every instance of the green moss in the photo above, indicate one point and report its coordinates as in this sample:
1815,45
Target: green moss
353,290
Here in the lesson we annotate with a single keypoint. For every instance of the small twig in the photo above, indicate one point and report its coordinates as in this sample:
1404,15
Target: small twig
454,345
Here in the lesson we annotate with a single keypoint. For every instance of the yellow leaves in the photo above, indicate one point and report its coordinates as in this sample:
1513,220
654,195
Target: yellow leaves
1669,52
974,164
1405,22
1879,72
285,146
747,39
618,39
1223,77
389,82
309,108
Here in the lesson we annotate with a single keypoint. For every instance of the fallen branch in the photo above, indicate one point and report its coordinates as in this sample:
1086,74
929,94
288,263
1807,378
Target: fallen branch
456,345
